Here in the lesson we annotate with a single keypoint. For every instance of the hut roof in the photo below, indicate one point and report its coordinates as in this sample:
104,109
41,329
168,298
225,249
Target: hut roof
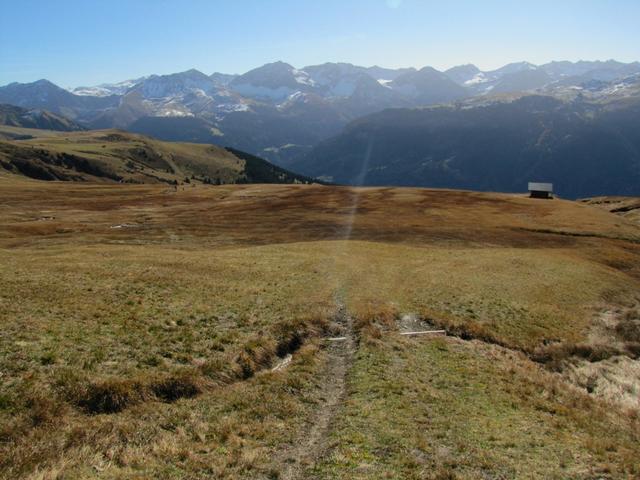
540,187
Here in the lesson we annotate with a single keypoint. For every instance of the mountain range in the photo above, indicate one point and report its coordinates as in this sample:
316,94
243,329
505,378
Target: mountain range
279,111
462,127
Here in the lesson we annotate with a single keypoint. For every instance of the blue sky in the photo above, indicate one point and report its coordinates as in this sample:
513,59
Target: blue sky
84,42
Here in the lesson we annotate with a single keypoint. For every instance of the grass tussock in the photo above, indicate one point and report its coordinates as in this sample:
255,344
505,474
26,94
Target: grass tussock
464,328
112,396
292,333
182,385
256,355
35,411
374,321
628,327
45,410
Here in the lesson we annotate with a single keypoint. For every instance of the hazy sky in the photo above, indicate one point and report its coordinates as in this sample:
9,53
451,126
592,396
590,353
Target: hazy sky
85,42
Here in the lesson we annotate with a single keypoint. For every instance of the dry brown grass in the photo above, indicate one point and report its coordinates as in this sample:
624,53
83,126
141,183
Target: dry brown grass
145,351
628,207
628,328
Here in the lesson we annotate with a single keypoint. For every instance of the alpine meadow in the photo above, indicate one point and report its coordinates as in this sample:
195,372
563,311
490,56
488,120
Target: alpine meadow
286,261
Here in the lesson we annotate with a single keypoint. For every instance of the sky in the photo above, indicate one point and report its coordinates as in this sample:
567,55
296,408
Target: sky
88,42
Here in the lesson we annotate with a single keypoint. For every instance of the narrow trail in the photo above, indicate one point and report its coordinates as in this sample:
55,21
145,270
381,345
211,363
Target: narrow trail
313,444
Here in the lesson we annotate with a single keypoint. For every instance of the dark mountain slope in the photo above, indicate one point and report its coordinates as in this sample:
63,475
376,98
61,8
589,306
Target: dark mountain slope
258,170
428,86
584,149
21,117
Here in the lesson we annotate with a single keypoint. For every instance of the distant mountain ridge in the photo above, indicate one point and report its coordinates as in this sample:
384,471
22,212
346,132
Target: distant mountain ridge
45,95
280,112
428,86
584,147
525,76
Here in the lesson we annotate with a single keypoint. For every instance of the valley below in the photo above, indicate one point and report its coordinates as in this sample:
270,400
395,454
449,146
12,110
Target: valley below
256,331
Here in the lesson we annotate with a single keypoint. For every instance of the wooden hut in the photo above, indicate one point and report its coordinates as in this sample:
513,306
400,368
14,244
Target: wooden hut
540,190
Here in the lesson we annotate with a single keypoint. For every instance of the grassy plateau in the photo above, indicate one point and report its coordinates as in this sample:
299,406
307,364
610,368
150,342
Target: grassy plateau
254,331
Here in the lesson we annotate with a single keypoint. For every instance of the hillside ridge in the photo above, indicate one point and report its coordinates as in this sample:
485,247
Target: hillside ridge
118,156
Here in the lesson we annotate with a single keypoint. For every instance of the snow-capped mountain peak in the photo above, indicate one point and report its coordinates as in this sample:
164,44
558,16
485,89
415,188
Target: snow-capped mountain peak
106,89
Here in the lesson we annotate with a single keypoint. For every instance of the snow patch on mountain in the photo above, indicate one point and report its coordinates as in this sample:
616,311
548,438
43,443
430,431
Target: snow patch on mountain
294,98
106,89
302,77
170,112
232,107
160,87
90,91
477,78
